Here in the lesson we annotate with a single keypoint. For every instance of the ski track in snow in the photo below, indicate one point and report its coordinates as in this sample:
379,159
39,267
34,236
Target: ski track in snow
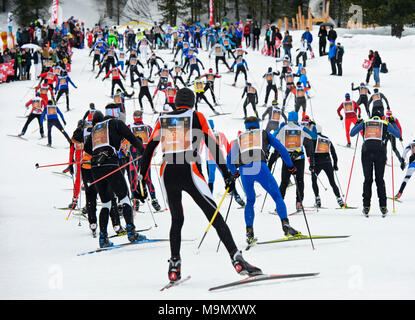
39,246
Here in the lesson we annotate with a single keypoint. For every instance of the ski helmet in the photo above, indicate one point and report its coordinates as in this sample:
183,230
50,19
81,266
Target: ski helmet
210,70
347,96
97,117
37,94
92,106
269,69
274,102
389,113
185,98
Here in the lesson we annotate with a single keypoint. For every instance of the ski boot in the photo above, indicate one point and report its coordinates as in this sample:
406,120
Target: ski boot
318,202
155,204
103,240
242,267
340,202
398,196
384,211
136,206
119,229
366,211
349,145
288,230
73,203
20,134
250,235
132,235
93,227
299,206
238,199
175,266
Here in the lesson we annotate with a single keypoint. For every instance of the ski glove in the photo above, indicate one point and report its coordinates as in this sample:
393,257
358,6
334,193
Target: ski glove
341,118
335,168
403,165
230,183
292,170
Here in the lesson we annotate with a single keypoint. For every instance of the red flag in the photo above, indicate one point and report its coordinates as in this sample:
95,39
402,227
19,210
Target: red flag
6,69
366,64
211,12
55,11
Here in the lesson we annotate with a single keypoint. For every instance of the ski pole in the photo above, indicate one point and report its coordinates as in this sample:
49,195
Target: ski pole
302,208
112,172
213,217
351,170
73,205
266,194
226,218
37,166
393,184
152,215
319,180
338,182
161,188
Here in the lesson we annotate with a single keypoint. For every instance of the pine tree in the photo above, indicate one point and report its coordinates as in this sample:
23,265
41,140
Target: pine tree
171,10
27,11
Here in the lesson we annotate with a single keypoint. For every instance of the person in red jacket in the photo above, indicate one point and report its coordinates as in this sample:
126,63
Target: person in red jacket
43,89
170,92
391,137
351,112
247,34
116,75
38,104
50,78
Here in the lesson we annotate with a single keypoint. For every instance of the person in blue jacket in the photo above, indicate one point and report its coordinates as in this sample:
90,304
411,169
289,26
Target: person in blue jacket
332,57
241,66
63,87
51,113
309,37
375,135
247,158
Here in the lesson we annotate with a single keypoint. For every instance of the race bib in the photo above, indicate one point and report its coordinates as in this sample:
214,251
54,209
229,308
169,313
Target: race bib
171,93
323,145
144,82
218,49
141,132
292,139
275,115
44,90
51,110
63,81
133,61
199,85
210,77
268,77
286,63
114,73
100,135
363,90
373,130
193,61
300,93
165,74
289,79
176,133
177,69
250,140
376,97
117,99
251,90
348,106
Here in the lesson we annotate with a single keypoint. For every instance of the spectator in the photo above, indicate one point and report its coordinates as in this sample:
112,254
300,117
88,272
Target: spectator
370,69
247,34
332,35
377,62
287,44
256,32
322,35
332,57
339,59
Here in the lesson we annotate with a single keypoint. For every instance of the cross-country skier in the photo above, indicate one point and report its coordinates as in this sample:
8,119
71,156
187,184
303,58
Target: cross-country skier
410,148
62,87
181,171
250,154
251,98
51,113
270,78
375,133
38,104
363,99
351,113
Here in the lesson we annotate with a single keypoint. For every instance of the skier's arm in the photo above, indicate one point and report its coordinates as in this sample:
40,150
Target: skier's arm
333,155
61,115
312,134
394,130
125,132
152,144
277,145
231,159
386,100
357,128
70,81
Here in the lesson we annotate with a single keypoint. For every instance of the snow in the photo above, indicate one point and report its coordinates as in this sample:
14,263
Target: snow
39,246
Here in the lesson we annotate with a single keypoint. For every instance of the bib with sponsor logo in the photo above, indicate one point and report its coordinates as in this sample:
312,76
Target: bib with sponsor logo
292,139
373,130
100,135
176,132
322,145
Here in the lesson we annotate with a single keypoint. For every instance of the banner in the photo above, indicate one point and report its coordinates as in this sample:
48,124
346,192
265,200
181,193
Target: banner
211,12
55,11
6,69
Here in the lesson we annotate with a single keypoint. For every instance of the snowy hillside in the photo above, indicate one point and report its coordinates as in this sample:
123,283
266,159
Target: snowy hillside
39,246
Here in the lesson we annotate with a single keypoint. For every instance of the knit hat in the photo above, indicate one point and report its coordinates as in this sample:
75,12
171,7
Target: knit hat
251,123
293,116
185,98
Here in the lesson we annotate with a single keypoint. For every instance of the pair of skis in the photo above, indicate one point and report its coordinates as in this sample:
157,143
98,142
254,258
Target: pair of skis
294,238
252,279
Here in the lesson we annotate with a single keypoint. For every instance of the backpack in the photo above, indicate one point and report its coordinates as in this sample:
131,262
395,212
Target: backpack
383,68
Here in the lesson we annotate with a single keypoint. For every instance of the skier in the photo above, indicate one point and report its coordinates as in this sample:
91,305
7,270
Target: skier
194,66
51,112
251,98
144,91
320,161
119,101
178,71
43,89
274,114
292,135
351,112
363,99
241,66
219,51
103,144
142,131
410,148
210,83
132,65
377,98
38,104
152,61
62,87
225,147
116,75
300,93
250,153
392,139
271,84
178,176
375,133
302,52
200,94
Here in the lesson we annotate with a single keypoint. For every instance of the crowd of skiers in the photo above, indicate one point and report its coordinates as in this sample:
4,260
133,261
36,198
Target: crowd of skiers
105,148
